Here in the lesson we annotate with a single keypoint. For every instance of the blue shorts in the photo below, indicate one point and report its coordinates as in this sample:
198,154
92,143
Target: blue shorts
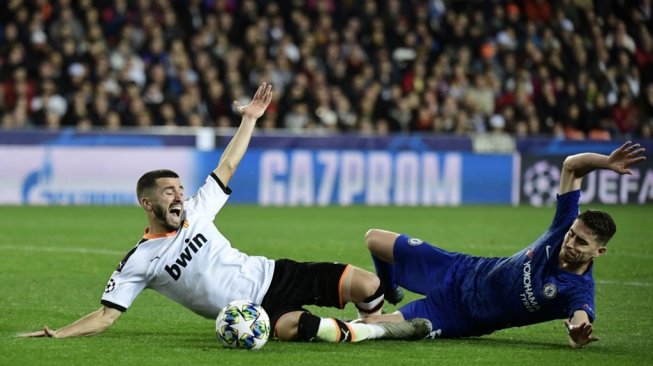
429,271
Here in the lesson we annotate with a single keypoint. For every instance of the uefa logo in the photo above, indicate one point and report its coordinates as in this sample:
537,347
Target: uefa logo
110,286
541,183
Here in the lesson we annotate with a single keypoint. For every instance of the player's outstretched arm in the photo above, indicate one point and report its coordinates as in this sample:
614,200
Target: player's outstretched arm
236,148
580,330
93,323
577,166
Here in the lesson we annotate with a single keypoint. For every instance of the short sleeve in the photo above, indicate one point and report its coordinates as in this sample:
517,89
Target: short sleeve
566,210
125,284
582,298
210,198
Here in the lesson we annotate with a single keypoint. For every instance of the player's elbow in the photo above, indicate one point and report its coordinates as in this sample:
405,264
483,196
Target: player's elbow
570,164
228,167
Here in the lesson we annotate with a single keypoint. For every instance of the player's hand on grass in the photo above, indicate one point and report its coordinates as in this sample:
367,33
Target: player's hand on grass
580,335
46,332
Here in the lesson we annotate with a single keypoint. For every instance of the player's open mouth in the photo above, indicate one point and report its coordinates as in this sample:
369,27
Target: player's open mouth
176,210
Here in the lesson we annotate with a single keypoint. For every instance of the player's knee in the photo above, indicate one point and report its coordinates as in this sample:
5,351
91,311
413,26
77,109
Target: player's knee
372,239
370,284
365,283
287,326
362,285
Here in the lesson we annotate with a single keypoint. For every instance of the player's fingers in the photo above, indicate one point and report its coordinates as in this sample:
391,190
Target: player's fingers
626,145
635,154
39,333
636,157
268,93
260,90
633,147
238,107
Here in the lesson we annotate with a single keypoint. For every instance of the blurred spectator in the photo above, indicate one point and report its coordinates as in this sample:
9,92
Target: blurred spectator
583,68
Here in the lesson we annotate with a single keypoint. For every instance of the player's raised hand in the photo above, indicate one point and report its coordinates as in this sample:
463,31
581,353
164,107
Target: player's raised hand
45,332
580,335
622,158
259,103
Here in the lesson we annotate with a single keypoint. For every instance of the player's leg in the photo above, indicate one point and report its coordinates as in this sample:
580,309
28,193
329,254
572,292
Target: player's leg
394,317
381,244
297,284
419,266
424,308
304,326
362,288
407,262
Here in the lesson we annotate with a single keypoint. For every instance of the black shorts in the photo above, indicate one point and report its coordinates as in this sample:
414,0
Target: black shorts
296,284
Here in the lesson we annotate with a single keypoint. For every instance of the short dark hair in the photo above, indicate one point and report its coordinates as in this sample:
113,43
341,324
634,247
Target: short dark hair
148,180
600,223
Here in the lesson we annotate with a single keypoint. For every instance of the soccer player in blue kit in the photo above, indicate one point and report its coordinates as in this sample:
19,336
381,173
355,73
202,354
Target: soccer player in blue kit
550,279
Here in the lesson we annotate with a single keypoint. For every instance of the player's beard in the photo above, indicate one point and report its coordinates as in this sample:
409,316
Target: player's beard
569,257
166,219
574,257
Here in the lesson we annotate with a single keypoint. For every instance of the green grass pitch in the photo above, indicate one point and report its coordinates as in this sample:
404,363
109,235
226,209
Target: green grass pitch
56,261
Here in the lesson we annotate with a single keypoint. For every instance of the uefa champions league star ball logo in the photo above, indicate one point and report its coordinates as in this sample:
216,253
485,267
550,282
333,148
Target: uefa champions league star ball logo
110,286
541,183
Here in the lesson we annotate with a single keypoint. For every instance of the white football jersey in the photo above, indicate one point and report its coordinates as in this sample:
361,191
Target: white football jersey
195,265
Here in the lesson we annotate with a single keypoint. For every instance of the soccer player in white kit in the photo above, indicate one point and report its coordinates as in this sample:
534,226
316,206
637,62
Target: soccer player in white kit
183,256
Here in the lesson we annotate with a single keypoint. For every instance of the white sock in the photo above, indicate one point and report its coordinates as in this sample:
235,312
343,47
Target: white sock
334,330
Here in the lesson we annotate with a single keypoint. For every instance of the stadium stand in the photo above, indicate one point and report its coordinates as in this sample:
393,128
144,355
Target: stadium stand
571,69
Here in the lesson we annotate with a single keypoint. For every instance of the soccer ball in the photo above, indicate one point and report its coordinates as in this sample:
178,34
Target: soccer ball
242,324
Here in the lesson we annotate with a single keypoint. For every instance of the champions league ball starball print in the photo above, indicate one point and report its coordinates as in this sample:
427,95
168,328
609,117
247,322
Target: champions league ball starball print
242,324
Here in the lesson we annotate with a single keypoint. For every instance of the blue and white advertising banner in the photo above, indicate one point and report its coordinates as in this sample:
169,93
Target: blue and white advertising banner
282,177
59,175
540,177
70,175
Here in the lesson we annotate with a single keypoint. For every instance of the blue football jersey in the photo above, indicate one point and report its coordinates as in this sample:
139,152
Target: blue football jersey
470,295
527,287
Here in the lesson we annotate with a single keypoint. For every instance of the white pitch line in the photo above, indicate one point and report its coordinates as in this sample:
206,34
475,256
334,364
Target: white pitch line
51,249
630,254
624,283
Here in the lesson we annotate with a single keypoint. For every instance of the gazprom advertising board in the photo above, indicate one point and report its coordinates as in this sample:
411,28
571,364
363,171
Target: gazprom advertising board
69,175
102,175
405,178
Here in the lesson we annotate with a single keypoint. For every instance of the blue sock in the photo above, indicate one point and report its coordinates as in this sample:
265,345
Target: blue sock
386,273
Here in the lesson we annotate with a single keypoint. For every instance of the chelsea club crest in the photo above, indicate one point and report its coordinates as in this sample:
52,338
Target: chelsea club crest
415,242
549,291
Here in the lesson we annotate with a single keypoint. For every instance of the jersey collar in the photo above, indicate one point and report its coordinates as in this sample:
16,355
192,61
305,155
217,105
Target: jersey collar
147,234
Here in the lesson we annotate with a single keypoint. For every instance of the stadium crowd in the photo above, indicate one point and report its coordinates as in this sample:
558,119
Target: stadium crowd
574,69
